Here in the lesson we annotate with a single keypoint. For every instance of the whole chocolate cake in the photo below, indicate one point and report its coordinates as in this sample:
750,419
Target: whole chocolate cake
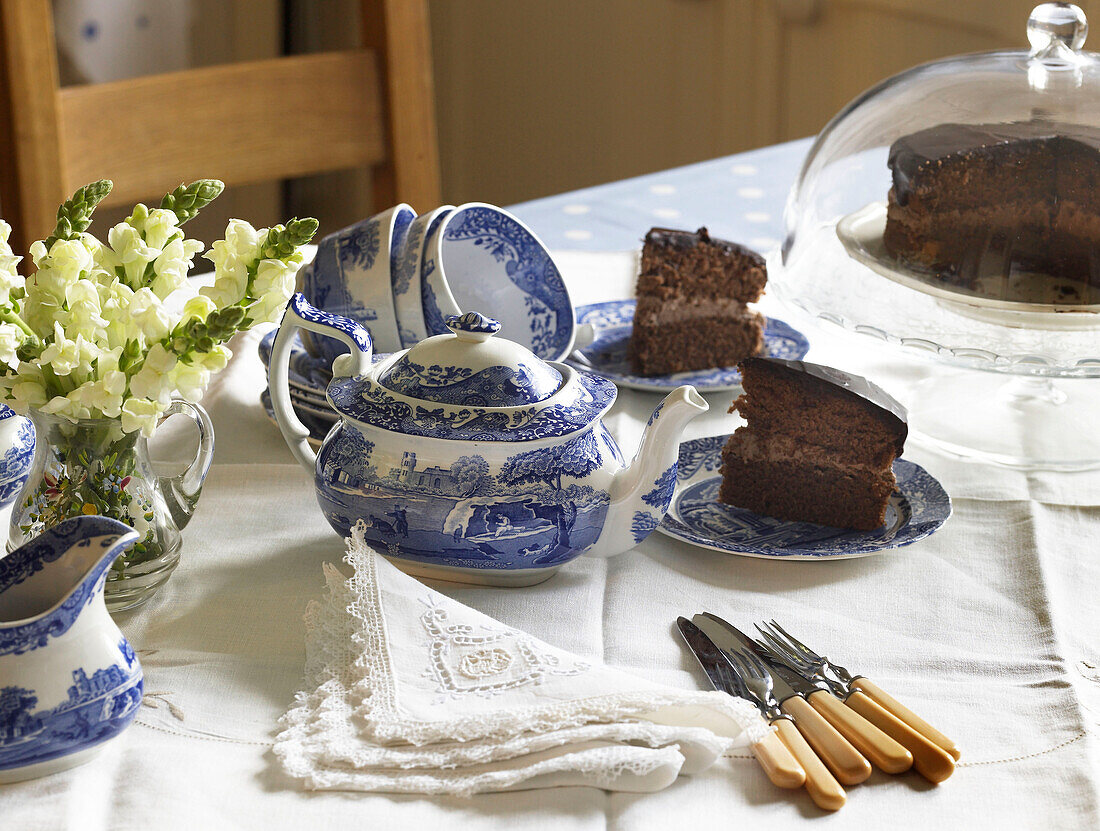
1010,211
691,312
819,445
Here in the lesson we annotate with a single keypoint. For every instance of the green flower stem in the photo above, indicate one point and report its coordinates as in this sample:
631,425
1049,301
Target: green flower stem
9,316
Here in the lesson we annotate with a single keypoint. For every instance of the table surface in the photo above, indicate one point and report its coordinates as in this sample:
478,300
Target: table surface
989,628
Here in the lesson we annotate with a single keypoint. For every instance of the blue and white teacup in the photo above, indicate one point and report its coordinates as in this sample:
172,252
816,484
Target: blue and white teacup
406,277
479,256
351,277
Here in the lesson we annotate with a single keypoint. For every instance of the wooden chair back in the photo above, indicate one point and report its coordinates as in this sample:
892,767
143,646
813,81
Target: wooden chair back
243,123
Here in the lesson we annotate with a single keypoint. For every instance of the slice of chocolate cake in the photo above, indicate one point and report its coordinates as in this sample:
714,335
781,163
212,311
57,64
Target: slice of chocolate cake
818,446
691,313
1010,211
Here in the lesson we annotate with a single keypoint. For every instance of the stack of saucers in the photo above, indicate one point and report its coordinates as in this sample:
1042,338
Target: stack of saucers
309,379
401,275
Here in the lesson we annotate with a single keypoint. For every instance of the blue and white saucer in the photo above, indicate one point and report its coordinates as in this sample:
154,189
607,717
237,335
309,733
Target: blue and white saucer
918,507
609,354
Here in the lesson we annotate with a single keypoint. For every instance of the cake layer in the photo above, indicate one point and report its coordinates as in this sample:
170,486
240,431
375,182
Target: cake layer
802,491
680,263
681,335
847,417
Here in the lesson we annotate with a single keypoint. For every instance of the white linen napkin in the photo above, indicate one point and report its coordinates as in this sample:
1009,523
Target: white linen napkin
410,691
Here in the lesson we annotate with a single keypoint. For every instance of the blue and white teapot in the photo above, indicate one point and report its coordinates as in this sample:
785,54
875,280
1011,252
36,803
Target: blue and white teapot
471,459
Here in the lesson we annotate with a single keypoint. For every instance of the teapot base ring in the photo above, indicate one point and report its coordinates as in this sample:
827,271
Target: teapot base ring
513,578
37,770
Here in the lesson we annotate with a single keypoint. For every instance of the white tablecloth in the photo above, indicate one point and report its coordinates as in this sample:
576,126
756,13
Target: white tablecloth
989,628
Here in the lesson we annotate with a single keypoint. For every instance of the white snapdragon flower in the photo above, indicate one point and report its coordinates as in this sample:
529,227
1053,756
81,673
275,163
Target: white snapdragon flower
132,251
115,298
216,359
66,262
273,286
159,226
66,356
10,339
198,307
190,380
140,414
231,257
154,380
104,258
27,394
103,395
68,406
41,308
149,316
9,276
85,314
172,265
24,389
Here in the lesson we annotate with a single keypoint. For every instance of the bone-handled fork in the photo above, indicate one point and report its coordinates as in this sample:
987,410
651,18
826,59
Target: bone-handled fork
931,758
822,787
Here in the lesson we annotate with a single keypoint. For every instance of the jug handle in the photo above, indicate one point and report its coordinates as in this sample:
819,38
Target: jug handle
182,492
301,315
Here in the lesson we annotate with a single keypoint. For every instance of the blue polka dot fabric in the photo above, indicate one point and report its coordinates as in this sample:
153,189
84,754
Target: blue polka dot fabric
739,198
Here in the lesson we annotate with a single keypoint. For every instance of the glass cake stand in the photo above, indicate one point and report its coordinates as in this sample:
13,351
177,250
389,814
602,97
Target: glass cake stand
1014,381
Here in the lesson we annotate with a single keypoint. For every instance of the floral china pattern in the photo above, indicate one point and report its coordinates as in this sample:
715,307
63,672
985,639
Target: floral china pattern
645,521
377,407
609,353
492,387
509,485
918,507
70,680
99,705
534,510
15,463
529,266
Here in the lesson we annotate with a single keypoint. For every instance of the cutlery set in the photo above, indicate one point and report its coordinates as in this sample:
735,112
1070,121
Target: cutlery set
831,726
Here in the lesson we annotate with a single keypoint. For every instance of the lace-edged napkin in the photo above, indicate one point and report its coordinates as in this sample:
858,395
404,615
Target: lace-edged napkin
410,691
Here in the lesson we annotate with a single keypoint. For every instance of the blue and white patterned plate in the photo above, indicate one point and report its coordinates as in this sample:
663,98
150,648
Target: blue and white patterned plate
918,507
609,354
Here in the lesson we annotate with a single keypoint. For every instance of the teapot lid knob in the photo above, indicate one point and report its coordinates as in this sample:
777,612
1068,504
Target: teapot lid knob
472,327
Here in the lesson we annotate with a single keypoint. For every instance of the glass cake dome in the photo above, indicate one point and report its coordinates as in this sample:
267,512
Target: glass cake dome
953,210
992,306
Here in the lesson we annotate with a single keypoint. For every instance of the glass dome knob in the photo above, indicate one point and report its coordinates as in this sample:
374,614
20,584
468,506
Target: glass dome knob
472,327
1056,26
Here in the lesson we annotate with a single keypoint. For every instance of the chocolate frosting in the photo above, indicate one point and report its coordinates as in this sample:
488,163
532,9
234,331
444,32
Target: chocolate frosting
854,384
686,239
909,154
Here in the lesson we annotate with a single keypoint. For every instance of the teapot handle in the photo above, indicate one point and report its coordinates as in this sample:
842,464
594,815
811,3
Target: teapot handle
182,492
301,315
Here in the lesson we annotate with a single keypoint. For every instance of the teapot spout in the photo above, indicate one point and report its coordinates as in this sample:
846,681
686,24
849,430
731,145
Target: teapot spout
641,492
71,557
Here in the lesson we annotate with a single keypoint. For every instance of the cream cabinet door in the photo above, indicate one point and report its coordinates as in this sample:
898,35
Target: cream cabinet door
535,97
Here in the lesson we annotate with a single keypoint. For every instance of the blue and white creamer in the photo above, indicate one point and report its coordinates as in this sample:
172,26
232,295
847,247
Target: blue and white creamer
69,680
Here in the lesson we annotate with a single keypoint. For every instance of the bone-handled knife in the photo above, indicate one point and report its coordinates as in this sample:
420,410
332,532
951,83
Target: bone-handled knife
929,759
773,755
899,710
847,764
853,688
884,752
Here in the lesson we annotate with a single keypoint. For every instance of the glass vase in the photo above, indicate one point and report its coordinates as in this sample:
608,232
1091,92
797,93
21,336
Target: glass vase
91,466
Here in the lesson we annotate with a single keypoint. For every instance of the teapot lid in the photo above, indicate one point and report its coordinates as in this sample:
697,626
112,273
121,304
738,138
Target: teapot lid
471,368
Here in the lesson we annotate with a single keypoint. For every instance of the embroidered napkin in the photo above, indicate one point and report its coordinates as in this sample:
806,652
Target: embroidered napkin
410,691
